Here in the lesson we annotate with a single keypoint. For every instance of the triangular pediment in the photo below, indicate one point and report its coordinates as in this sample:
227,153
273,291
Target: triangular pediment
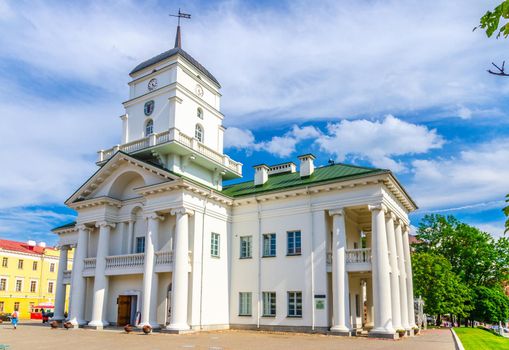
119,177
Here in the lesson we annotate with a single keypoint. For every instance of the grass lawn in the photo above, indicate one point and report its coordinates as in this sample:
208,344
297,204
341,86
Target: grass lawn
480,339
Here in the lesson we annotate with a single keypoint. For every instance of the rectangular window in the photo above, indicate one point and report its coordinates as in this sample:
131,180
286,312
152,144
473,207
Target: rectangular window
244,304
19,285
4,262
294,304
269,304
50,287
245,247
3,283
16,306
52,267
34,266
140,244
214,244
33,286
20,264
1,306
293,243
269,244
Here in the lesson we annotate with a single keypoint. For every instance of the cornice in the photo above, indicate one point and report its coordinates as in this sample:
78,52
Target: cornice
94,202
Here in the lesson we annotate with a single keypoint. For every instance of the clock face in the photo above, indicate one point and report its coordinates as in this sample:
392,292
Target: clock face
199,90
152,84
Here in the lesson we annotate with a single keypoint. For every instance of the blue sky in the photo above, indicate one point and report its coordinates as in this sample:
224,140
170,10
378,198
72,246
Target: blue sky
391,84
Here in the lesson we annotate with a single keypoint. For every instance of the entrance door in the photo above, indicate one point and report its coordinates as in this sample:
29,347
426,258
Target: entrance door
124,310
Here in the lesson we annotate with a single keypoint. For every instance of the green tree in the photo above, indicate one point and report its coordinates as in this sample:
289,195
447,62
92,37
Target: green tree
490,305
506,212
475,256
442,290
490,22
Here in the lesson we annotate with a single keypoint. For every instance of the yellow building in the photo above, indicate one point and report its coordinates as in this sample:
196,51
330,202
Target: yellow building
28,276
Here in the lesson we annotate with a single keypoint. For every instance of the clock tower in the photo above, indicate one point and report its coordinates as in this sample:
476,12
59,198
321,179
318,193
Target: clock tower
173,118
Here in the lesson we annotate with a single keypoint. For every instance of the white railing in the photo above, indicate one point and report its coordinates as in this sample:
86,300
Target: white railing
125,261
89,263
170,135
164,258
358,256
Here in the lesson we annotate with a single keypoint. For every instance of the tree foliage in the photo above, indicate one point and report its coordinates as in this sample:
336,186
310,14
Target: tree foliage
490,22
490,305
506,212
443,292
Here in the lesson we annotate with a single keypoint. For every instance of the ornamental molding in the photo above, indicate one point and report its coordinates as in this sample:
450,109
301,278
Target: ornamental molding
377,207
153,216
337,211
182,211
95,202
104,223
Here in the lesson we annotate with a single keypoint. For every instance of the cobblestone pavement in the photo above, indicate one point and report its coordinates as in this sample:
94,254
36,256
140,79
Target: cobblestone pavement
34,336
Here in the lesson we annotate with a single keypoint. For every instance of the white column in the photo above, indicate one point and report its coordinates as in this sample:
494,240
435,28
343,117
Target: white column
180,279
78,285
380,272
409,279
369,303
394,274
100,279
130,236
340,302
402,276
60,290
150,279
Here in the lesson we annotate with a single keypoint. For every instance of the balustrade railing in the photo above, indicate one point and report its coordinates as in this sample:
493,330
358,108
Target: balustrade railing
167,136
125,261
358,256
164,258
89,263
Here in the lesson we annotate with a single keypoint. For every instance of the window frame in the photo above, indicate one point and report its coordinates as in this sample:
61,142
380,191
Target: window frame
293,248
2,306
5,284
246,247
215,245
149,122
5,262
34,284
52,267
269,251
294,307
137,245
16,306
34,265
199,128
199,113
20,285
269,304
52,289
20,264
245,306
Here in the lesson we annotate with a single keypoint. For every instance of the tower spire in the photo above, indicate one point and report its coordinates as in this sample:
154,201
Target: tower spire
178,37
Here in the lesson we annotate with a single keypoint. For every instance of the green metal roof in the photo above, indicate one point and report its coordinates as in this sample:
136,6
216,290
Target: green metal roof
287,180
68,225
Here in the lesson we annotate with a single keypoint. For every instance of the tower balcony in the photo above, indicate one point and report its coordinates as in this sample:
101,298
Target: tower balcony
174,141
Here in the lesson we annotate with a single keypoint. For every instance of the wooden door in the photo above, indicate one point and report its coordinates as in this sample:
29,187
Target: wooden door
124,310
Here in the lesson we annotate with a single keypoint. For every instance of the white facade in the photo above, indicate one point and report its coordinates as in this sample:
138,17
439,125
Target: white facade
159,242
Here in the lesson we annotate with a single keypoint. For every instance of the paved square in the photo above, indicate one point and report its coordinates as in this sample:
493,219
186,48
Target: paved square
34,336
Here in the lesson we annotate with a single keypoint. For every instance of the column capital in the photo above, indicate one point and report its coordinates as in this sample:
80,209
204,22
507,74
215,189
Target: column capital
153,216
337,211
105,223
83,227
182,211
390,215
63,247
377,207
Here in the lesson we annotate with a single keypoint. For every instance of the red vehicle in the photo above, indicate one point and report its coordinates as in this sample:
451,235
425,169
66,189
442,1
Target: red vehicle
42,312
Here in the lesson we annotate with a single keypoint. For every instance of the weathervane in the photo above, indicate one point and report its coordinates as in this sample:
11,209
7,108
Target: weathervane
181,15
178,40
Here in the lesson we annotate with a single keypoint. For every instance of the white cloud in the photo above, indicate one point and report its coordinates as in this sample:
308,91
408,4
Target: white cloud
238,138
478,174
379,141
496,229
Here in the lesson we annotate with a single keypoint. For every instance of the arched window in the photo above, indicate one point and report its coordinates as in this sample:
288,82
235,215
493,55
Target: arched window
198,132
199,113
149,127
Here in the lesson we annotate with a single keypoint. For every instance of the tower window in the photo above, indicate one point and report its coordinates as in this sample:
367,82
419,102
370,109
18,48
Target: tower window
198,132
149,127
199,113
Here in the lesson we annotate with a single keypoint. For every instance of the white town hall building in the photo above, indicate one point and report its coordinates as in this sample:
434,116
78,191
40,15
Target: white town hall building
160,240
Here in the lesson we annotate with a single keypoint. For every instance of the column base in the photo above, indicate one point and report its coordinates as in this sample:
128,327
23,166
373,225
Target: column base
177,327
97,324
341,331
78,323
383,333
58,318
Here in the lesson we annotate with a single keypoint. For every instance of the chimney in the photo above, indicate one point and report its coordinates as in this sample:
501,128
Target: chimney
307,167
261,174
41,244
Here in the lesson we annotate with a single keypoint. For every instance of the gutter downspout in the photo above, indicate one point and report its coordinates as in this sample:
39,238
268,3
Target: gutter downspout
312,261
260,249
